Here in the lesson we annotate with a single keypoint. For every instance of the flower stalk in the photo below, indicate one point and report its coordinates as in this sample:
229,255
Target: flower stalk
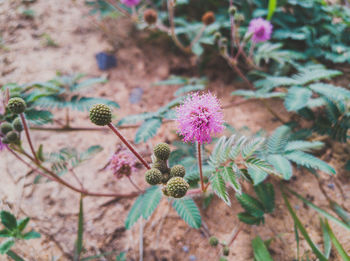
26,130
130,147
199,149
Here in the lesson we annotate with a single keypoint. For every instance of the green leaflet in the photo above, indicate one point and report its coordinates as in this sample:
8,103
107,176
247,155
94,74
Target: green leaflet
303,231
144,206
188,211
336,243
148,130
260,251
251,205
219,187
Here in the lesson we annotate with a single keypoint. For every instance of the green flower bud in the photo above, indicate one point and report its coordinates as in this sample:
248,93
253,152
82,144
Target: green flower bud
213,241
5,128
232,10
223,258
153,176
177,187
226,251
178,171
12,136
217,36
16,105
17,124
162,151
101,114
161,165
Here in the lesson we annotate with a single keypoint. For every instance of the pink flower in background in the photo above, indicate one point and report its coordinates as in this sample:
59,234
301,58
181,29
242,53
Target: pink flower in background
199,117
261,30
130,3
2,146
122,163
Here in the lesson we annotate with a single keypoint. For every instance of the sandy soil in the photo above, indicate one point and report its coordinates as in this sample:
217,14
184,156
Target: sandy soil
54,209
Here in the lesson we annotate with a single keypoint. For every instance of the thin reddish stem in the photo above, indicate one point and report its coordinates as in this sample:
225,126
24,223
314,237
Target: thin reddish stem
134,184
26,130
200,166
54,177
130,147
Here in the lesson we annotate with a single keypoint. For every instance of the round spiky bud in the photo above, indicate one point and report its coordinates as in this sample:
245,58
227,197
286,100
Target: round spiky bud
162,151
153,176
232,10
16,105
161,165
178,171
208,18
177,187
239,18
150,16
12,136
217,36
17,124
5,128
226,251
165,177
100,114
213,241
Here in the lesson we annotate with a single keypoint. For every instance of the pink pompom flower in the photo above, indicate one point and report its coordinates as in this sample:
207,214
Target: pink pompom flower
260,29
200,117
122,163
130,3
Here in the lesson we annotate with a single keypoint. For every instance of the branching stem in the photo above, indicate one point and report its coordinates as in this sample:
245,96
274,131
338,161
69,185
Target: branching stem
26,130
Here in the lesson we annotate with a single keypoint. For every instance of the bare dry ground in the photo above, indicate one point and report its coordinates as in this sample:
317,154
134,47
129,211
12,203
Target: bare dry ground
54,209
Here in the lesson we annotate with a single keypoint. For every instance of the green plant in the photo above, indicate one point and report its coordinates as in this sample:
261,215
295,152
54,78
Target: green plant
13,231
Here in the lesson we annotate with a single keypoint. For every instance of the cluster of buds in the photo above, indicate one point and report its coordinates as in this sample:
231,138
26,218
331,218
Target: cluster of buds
213,241
160,173
10,131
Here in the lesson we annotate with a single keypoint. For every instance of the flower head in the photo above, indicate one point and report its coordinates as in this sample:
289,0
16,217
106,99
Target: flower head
199,117
261,30
122,163
130,3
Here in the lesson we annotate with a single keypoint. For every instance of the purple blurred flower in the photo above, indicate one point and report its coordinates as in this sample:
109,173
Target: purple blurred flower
199,117
122,163
130,3
2,146
261,30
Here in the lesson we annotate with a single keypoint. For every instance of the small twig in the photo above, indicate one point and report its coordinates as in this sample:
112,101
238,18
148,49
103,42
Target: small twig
26,130
134,184
170,4
235,233
51,175
77,179
198,36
